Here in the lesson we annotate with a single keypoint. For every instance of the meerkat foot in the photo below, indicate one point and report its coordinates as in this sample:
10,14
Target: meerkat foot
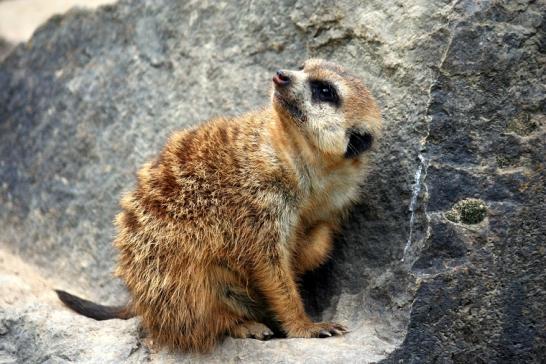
251,329
319,330
150,345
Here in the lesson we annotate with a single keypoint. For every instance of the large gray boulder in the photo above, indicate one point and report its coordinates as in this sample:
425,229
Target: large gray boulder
5,48
444,261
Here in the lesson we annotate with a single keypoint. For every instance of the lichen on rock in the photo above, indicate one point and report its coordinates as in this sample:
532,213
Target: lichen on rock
468,211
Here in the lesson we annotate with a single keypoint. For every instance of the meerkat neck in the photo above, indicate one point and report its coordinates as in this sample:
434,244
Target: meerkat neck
294,149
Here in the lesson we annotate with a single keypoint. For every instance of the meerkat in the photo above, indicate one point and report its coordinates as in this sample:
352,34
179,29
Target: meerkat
221,225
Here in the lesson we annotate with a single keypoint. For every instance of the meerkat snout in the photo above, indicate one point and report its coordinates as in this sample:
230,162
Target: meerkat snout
281,78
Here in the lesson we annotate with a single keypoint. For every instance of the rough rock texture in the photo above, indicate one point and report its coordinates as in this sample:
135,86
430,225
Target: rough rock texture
462,89
5,48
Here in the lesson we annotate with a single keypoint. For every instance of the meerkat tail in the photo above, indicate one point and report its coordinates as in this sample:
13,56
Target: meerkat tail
94,310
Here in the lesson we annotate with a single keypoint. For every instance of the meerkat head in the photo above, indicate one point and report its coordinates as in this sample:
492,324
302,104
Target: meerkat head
332,108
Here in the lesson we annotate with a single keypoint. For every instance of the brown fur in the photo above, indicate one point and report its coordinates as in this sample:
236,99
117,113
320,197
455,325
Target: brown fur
221,224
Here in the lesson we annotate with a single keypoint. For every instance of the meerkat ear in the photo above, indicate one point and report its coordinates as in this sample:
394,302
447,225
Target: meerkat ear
358,142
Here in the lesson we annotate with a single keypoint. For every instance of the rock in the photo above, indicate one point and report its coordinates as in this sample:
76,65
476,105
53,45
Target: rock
5,48
483,303
462,88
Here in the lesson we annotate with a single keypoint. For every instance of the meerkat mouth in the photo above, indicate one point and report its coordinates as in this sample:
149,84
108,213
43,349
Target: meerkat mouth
291,107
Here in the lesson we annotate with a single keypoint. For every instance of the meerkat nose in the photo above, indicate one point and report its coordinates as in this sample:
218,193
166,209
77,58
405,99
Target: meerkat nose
281,78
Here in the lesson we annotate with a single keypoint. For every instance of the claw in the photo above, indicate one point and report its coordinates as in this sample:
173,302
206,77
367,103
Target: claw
342,328
336,332
324,333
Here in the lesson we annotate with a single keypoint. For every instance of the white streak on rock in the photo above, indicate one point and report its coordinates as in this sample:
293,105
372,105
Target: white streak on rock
416,189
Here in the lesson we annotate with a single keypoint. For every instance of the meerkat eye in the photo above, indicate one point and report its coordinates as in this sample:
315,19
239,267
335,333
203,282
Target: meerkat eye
326,93
301,67
323,91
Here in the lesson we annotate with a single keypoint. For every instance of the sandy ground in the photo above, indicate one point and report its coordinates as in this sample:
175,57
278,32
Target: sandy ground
19,18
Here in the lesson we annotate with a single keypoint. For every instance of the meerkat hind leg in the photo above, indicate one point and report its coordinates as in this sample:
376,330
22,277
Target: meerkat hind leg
250,313
243,301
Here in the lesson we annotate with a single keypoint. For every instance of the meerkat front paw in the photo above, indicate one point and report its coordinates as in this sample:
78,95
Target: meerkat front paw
319,329
251,329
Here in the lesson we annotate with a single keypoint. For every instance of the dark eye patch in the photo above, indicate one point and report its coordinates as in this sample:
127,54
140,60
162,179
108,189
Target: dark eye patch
324,91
